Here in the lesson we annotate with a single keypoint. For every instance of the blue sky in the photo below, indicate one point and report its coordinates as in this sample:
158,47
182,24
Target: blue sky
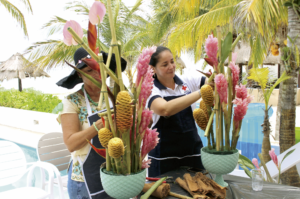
13,40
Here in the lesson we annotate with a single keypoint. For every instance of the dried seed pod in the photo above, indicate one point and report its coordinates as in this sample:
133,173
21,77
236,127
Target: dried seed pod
115,147
204,107
104,136
201,118
124,111
207,95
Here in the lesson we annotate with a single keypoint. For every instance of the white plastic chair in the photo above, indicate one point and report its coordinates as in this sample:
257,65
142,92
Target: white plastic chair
292,160
13,166
52,149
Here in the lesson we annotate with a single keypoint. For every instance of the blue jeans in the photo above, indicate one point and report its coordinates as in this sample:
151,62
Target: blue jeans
76,190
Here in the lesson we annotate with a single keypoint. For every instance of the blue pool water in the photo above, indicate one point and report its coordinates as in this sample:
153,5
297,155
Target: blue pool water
251,136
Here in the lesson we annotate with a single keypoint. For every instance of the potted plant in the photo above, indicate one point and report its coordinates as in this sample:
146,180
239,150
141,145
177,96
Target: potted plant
221,156
126,139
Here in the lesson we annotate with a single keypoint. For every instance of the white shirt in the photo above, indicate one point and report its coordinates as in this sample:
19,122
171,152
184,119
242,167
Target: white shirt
184,85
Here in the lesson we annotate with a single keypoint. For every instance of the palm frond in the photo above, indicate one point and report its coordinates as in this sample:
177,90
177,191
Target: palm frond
260,75
50,54
55,25
191,34
27,5
79,7
282,78
16,14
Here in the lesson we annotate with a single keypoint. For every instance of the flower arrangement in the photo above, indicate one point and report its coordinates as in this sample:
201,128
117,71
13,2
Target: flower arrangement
219,102
127,139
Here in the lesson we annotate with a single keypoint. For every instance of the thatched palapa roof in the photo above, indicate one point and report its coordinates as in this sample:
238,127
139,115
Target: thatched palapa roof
19,67
243,54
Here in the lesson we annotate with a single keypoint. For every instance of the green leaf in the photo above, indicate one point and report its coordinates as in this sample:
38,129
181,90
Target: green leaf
286,155
246,171
226,47
282,78
260,75
243,160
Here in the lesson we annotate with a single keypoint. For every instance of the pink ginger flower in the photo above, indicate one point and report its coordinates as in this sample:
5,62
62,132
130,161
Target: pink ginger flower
146,89
241,91
211,49
240,110
146,164
68,38
255,162
145,120
222,86
235,72
274,157
97,12
143,63
150,141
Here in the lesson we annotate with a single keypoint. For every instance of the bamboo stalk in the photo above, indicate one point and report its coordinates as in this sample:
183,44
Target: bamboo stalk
209,124
211,132
222,131
103,114
126,140
115,45
100,102
108,162
93,55
104,90
265,167
118,165
113,164
133,129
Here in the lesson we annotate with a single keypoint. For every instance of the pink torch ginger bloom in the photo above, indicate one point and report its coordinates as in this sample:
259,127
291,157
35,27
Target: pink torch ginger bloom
222,85
150,141
274,157
211,49
240,110
241,91
143,63
68,38
146,88
145,121
97,12
146,164
235,72
255,162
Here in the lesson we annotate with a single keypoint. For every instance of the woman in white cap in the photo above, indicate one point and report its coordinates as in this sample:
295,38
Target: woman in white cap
84,170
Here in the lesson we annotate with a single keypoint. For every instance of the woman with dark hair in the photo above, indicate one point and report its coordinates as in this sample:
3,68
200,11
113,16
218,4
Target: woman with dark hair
84,171
173,100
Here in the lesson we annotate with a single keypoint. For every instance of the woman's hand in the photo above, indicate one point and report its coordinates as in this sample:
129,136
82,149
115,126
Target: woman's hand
211,84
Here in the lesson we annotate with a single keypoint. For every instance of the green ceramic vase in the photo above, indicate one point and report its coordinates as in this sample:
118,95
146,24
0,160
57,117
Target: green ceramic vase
123,187
219,164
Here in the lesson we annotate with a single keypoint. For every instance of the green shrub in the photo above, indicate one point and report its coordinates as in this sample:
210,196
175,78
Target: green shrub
28,99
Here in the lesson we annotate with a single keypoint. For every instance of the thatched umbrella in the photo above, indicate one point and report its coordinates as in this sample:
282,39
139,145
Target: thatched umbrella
19,67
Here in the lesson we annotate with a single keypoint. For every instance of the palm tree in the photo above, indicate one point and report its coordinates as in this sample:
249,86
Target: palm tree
16,13
258,20
288,91
131,31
